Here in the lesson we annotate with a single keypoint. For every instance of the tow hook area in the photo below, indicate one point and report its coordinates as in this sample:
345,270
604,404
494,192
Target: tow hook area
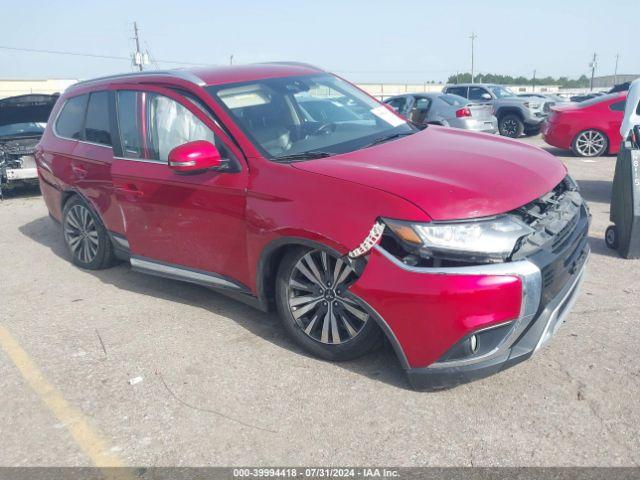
374,236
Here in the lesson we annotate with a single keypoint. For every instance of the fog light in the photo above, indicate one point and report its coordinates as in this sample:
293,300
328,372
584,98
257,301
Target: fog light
473,343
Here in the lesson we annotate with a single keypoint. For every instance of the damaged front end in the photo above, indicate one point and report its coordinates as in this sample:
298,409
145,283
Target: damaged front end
461,300
22,123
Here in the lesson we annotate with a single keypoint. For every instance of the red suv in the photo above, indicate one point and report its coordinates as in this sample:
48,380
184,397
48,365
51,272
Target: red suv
288,188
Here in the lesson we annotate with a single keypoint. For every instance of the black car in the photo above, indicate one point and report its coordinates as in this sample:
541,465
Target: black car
22,122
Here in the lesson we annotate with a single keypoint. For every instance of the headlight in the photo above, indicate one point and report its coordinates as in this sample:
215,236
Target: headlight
488,240
532,105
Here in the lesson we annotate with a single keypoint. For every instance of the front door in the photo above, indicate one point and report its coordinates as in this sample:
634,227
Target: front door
186,224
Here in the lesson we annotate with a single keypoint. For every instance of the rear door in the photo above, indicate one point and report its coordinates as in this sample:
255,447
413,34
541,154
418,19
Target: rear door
193,221
93,157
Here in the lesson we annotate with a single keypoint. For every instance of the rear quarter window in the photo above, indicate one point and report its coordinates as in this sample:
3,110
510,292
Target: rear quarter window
71,118
618,106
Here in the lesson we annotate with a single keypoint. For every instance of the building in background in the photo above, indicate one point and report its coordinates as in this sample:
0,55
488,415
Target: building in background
608,81
14,87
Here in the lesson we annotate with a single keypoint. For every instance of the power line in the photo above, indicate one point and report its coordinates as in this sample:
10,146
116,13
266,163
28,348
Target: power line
90,55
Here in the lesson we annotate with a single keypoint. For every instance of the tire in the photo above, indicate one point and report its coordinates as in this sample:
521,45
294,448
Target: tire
85,236
511,126
611,237
590,143
532,132
322,317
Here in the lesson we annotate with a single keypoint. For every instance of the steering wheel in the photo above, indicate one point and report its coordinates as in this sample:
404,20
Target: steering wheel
323,129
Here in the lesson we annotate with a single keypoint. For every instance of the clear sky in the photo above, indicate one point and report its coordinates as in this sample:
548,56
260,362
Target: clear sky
392,41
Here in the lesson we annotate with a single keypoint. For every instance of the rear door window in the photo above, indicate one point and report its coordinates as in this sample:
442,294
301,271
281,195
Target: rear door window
71,118
97,128
462,91
128,107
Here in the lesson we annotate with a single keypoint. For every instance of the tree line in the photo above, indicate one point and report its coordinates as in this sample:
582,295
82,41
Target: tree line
563,82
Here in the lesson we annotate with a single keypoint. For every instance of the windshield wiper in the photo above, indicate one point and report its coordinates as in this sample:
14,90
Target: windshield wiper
387,138
302,156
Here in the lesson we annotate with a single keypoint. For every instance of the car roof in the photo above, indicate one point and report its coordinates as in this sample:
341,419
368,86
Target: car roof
472,85
417,94
205,76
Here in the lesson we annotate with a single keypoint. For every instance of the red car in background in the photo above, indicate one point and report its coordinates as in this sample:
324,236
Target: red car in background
590,128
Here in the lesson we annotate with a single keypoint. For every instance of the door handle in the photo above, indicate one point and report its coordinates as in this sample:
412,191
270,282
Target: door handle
79,170
129,189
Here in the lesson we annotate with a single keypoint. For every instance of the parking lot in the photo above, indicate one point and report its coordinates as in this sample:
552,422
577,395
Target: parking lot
115,367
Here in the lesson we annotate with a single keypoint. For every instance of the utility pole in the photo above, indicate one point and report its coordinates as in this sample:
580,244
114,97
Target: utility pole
615,71
473,39
231,59
138,55
533,86
593,66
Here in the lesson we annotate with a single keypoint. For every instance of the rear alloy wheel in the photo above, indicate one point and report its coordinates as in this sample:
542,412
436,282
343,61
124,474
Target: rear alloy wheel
85,236
590,143
317,309
511,126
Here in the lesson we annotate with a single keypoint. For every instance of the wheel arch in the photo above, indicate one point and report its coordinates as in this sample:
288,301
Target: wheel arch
503,111
72,192
267,271
269,262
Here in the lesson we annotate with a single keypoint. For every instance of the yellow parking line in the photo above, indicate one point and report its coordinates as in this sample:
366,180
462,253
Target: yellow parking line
86,437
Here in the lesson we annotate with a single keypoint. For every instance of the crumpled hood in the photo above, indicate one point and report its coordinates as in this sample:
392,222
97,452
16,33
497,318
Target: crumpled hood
450,173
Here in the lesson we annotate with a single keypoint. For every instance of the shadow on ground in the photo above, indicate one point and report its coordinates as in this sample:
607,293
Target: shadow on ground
598,247
597,191
381,364
23,191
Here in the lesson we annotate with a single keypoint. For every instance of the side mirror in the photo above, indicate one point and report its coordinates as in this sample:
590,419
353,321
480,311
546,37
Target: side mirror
485,96
194,157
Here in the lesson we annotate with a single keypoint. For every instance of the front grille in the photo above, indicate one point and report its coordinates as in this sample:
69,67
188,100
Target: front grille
560,221
553,217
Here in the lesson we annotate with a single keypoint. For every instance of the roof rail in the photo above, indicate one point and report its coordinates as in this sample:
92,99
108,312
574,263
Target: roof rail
177,73
292,64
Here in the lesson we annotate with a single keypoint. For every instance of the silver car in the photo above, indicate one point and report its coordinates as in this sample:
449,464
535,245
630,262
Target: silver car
445,109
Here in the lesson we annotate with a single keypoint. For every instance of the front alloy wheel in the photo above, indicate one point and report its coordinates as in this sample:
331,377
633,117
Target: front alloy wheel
590,143
318,310
511,126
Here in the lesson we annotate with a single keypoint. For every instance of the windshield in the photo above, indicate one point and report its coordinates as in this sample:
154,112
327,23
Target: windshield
308,115
501,92
22,129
